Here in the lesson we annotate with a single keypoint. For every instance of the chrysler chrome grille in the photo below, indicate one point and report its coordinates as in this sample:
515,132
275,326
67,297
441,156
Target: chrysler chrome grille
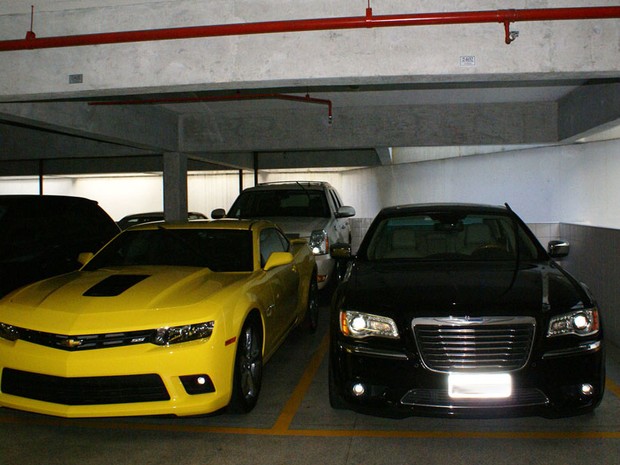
462,344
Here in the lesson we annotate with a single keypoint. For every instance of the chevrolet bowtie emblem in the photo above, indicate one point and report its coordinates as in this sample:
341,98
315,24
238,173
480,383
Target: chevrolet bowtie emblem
71,343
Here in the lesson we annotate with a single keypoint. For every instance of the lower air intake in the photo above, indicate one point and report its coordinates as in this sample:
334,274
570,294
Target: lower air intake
84,391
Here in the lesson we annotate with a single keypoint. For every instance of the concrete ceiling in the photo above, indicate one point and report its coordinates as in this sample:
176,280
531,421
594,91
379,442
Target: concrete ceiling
80,136
336,99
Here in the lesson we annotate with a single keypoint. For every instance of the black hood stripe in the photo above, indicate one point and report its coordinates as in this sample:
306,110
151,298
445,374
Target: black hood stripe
114,285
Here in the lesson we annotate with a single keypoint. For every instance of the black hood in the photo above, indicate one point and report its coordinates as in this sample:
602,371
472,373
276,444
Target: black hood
462,288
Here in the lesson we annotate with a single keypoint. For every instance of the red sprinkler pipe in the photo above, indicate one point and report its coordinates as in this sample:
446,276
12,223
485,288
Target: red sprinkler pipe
223,98
355,22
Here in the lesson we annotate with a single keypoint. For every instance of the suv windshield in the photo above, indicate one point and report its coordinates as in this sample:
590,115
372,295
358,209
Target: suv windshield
450,236
280,202
218,250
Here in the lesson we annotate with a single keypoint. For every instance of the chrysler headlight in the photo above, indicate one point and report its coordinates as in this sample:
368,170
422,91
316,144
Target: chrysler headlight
319,242
361,325
185,333
579,322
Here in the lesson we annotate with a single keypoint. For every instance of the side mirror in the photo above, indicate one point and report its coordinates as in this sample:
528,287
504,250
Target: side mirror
558,249
278,259
85,257
218,213
340,251
345,212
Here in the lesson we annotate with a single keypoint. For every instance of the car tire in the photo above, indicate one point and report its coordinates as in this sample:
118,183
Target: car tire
335,400
248,374
312,308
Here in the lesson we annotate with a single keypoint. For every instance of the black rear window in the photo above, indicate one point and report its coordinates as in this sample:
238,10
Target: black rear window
280,202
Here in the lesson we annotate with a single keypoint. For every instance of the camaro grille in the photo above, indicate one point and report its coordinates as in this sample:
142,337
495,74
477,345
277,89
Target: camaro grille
87,341
84,391
462,344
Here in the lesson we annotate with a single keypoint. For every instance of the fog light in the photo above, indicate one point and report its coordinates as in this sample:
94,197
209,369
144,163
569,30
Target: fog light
358,389
587,389
197,384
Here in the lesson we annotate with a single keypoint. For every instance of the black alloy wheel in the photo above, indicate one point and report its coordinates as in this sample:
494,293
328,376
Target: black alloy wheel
248,374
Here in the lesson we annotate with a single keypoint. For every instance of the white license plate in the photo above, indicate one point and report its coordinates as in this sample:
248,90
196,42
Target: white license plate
479,385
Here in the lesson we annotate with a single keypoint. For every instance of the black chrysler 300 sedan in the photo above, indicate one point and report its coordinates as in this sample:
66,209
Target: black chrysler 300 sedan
458,310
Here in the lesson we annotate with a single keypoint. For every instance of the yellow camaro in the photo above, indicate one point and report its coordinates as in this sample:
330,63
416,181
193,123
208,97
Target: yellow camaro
165,319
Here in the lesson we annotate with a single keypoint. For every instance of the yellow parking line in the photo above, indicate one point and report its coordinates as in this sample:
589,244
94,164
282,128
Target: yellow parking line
292,405
613,387
344,433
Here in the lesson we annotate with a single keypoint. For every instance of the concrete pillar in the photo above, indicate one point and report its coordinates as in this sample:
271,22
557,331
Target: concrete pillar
175,186
256,168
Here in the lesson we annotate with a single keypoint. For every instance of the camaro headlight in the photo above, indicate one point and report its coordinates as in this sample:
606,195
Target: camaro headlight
361,325
579,322
9,332
185,333
319,242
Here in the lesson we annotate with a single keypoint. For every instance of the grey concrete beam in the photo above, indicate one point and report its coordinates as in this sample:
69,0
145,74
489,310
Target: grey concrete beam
80,166
229,160
21,143
589,107
286,159
385,155
145,127
447,53
317,159
362,127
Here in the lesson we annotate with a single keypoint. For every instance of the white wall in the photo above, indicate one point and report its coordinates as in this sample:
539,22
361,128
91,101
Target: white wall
569,184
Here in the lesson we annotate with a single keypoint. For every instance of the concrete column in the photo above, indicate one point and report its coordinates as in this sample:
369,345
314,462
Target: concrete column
175,186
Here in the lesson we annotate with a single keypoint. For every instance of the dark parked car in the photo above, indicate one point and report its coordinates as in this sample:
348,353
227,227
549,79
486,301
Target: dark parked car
42,236
139,218
458,309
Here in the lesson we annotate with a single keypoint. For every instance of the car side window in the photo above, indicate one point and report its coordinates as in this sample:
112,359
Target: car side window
337,201
271,240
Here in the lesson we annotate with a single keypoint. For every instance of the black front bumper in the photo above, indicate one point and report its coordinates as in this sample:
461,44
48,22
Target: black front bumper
397,384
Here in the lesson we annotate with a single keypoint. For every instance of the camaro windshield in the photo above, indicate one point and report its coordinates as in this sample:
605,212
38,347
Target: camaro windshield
450,236
216,249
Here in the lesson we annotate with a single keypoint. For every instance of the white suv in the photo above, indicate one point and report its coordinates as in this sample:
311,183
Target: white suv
308,210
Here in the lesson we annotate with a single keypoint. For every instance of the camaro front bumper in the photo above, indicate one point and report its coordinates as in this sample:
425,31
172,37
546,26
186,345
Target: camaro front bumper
393,383
183,379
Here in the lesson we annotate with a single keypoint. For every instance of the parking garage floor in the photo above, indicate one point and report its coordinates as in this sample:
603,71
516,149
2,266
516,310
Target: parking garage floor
294,424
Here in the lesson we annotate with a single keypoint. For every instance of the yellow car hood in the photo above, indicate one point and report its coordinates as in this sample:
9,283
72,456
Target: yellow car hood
87,302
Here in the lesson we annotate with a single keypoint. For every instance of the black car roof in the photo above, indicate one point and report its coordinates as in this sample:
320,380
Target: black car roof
14,199
398,210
